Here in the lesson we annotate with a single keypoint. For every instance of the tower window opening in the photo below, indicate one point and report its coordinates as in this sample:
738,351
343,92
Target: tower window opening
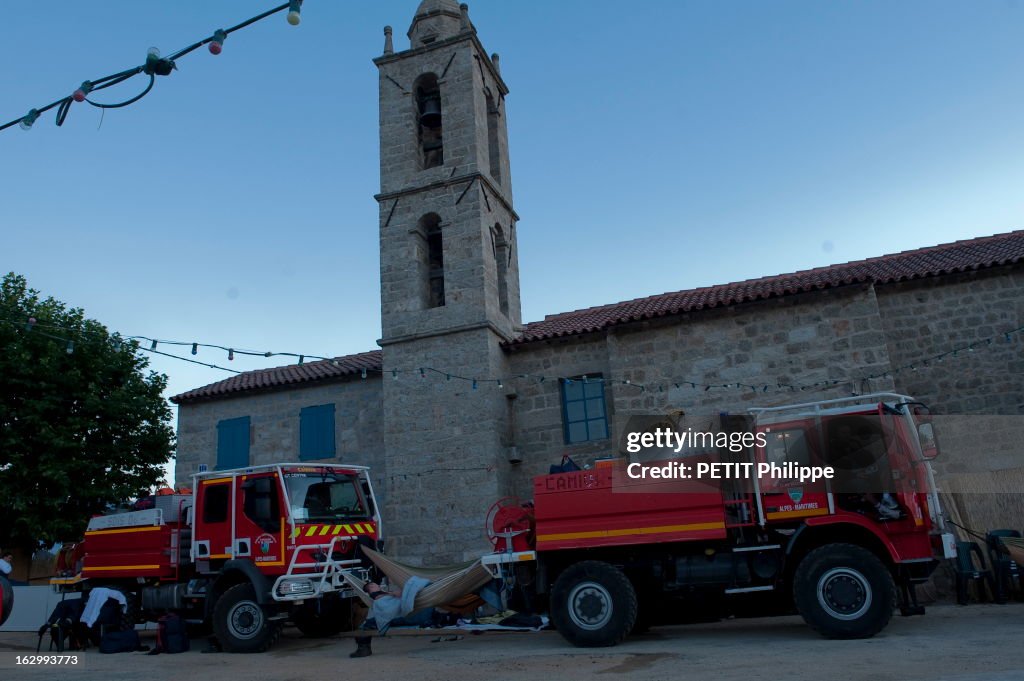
434,262
428,113
501,257
493,149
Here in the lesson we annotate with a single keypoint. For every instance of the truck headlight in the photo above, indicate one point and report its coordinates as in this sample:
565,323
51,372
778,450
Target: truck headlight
292,587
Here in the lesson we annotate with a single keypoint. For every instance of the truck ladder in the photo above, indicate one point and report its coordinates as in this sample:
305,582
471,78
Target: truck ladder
739,510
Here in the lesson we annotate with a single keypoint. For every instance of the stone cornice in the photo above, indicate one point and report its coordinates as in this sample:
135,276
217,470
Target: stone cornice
474,326
448,182
447,42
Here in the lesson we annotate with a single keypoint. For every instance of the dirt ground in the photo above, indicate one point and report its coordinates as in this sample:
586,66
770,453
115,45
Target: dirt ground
950,643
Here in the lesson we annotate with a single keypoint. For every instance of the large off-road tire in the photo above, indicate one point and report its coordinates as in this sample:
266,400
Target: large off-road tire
324,617
593,604
844,591
241,624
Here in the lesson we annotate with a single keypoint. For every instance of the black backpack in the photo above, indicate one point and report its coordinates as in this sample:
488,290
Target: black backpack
124,641
171,635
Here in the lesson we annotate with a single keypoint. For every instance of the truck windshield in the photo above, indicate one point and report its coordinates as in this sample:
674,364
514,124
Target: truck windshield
324,498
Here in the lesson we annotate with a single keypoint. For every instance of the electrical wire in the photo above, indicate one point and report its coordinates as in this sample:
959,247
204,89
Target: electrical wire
154,66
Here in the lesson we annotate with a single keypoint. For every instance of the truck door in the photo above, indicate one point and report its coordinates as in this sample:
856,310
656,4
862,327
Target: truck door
906,470
784,498
259,523
212,533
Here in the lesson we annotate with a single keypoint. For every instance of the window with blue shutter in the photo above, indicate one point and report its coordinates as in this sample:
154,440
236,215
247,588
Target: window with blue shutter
233,443
316,432
583,409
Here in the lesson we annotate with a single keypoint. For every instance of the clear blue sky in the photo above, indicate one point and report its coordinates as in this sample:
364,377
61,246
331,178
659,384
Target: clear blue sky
655,146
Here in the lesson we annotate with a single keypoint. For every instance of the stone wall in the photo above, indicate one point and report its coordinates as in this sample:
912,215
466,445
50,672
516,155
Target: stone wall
801,340
926,318
537,405
274,421
443,446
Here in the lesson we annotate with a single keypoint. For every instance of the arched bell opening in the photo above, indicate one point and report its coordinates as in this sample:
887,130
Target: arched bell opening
429,121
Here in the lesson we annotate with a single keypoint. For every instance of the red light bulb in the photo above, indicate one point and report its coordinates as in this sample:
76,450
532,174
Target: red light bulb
82,92
217,41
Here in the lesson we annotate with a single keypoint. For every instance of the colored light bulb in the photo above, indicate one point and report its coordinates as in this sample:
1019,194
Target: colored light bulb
217,44
80,94
294,7
29,119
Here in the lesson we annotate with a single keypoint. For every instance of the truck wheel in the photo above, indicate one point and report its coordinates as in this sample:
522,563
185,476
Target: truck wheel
240,623
844,591
593,604
325,617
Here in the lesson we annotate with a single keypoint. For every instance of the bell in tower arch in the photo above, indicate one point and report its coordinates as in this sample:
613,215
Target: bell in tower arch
430,110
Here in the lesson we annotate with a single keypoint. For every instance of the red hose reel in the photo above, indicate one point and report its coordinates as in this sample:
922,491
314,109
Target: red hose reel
510,525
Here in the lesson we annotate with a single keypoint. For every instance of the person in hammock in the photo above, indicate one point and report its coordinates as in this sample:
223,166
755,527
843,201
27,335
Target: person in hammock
386,612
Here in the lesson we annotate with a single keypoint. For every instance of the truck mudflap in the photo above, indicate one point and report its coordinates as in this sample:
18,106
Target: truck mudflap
917,570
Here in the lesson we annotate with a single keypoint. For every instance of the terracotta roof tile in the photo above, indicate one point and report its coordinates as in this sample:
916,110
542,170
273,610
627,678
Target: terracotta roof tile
949,258
280,377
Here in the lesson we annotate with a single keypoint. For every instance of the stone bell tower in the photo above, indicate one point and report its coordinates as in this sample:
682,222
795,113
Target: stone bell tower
449,284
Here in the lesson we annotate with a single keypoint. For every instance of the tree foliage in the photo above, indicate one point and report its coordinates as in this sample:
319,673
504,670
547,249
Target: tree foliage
82,426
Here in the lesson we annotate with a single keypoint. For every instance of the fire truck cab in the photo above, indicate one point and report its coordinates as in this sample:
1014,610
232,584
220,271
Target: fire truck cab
246,551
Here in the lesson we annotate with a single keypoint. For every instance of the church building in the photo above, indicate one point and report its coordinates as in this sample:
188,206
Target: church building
463,403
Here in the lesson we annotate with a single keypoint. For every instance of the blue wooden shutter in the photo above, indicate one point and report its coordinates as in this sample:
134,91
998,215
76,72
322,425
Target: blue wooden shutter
316,432
233,443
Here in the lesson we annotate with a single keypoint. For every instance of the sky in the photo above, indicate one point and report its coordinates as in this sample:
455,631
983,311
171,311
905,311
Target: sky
655,146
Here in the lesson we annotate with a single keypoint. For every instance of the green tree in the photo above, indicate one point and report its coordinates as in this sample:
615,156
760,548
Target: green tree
82,424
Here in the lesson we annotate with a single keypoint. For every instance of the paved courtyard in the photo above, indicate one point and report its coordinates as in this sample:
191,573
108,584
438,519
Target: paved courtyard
950,643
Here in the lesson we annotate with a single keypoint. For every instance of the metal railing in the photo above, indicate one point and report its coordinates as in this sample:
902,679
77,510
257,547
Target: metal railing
325,575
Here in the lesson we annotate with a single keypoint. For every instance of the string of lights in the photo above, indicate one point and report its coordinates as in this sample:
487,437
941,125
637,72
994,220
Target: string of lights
154,66
151,345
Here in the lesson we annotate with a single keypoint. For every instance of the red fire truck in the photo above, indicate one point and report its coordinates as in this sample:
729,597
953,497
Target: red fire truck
247,550
606,554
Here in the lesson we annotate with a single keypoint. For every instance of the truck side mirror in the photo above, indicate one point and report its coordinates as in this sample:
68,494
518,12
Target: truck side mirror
926,436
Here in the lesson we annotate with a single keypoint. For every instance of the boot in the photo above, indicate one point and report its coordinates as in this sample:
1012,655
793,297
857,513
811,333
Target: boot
363,648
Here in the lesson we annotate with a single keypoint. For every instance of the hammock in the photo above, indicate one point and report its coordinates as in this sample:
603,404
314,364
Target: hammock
447,584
